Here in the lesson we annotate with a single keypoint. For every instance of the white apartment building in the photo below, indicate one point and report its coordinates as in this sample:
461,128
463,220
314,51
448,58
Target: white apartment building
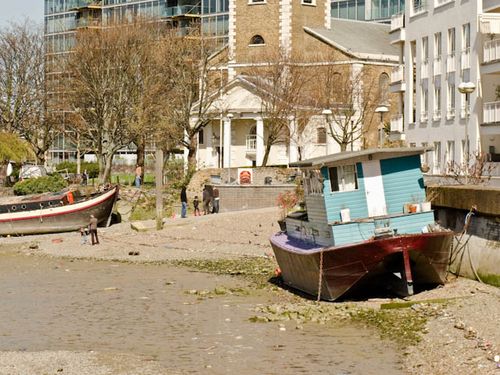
443,44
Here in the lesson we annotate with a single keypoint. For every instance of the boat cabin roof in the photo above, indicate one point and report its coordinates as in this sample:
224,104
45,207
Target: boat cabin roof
358,156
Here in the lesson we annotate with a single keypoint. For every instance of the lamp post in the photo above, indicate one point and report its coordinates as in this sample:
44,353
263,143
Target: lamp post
466,88
381,109
327,113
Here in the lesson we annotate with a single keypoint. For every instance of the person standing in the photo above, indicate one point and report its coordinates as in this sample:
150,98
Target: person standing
184,202
215,204
138,174
93,230
206,201
196,206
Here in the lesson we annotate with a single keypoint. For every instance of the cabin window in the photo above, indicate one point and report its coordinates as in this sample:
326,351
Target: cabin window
343,178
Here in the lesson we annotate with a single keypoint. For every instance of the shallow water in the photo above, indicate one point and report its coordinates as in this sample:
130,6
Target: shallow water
53,304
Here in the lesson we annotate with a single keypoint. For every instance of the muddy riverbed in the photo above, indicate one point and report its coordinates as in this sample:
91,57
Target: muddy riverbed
159,314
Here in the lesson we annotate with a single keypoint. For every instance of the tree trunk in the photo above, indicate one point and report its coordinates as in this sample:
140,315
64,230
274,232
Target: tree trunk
105,164
266,154
159,188
192,155
343,147
141,152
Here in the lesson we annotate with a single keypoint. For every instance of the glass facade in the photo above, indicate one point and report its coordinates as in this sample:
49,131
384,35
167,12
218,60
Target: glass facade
367,10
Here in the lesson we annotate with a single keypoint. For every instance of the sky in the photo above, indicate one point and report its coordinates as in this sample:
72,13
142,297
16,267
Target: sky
17,10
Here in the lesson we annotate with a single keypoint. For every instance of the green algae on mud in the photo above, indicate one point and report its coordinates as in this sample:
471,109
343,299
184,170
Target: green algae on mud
218,292
258,270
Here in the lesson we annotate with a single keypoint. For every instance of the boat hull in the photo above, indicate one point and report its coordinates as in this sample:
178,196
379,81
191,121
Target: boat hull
64,218
418,258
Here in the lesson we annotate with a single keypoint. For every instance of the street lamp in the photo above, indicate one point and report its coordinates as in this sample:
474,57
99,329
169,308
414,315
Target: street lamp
327,113
466,88
381,109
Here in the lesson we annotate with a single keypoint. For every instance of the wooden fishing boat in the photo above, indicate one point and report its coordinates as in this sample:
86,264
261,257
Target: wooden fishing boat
366,219
55,212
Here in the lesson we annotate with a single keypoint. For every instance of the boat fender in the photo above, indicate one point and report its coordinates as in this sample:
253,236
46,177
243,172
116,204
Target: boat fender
71,199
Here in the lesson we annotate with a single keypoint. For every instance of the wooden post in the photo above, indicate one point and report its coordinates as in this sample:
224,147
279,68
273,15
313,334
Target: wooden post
159,188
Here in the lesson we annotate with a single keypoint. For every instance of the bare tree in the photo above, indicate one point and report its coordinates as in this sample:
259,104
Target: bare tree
188,63
348,99
109,76
281,82
22,87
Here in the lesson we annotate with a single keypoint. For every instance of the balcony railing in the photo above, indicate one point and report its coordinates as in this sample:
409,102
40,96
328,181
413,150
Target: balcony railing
423,116
397,123
251,142
89,22
450,63
181,10
397,21
465,59
491,50
424,69
491,112
437,66
436,116
450,113
464,110
398,74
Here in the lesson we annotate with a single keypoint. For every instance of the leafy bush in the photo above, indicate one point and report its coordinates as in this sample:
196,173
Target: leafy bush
92,168
40,185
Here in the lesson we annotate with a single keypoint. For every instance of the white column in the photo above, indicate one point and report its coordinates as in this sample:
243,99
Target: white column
227,141
259,142
293,152
207,132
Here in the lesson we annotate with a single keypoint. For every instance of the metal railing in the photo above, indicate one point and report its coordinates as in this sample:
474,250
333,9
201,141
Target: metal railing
450,113
450,63
436,115
491,50
437,66
423,116
424,69
491,112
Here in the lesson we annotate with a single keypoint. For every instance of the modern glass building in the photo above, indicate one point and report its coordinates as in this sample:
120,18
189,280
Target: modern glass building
64,17
367,10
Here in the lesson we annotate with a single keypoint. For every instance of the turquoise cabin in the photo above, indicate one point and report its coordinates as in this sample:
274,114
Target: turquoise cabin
354,196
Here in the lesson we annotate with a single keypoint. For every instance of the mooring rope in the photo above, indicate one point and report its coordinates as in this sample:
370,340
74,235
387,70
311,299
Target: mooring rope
320,278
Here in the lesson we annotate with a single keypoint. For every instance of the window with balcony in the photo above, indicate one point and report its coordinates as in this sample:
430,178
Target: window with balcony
437,53
450,107
465,55
436,160
424,104
450,154
437,104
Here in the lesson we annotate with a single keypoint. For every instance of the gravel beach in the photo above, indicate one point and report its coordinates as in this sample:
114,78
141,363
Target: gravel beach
461,335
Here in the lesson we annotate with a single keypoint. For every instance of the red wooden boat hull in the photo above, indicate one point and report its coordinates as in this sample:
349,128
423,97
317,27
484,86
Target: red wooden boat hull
63,218
418,258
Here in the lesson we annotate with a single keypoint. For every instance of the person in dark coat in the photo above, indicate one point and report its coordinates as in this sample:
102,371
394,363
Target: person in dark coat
206,201
215,202
93,230
184,202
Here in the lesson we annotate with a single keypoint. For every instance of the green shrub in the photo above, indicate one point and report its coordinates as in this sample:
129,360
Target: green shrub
44,184
92,168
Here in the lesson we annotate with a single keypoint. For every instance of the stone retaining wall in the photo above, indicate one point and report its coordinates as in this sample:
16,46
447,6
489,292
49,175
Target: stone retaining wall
237,198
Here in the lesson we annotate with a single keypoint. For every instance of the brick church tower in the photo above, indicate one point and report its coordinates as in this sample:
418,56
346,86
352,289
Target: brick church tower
260,28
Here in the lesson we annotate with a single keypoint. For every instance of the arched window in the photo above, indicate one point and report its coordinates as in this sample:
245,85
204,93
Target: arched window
257,39
383,85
